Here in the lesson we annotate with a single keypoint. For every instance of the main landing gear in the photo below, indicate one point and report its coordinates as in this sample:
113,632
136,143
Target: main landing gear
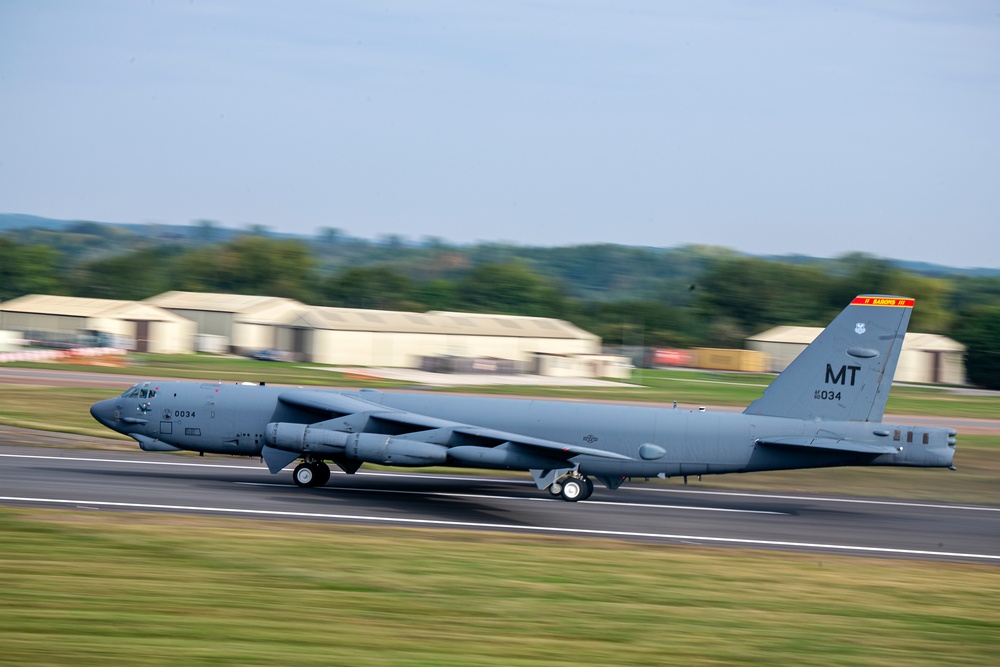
311,473
572,488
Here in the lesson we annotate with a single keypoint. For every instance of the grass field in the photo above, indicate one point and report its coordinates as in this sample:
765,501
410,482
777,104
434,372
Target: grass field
142,589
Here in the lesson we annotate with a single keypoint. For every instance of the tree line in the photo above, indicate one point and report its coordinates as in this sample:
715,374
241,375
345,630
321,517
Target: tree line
631,296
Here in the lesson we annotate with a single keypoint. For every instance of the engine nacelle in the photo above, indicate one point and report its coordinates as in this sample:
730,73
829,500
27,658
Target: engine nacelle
366,447
301,438
386,450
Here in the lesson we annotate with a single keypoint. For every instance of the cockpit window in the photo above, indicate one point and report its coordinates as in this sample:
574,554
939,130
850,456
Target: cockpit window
135,392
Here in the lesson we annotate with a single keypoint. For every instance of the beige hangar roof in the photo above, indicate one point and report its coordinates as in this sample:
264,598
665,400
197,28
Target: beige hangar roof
221,303
72,306
434,322
267,309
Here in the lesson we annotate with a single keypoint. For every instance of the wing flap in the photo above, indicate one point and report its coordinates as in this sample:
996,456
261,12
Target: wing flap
828,444
562,449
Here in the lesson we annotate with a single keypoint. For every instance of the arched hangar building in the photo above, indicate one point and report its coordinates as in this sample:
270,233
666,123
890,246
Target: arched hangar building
67,320
238,323
348,336
357,337
924,358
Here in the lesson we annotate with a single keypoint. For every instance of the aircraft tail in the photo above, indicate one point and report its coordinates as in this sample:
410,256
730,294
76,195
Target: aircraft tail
845,374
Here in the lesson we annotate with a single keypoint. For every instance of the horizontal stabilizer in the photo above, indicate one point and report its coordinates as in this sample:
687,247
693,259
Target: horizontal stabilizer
828,444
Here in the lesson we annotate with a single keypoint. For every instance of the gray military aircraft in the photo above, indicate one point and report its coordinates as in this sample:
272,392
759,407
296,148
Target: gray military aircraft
824,410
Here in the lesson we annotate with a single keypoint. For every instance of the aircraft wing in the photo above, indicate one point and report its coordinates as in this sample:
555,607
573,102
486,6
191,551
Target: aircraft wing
325,403
355,415
830,444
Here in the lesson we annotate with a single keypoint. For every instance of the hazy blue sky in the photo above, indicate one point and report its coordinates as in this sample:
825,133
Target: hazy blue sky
769,127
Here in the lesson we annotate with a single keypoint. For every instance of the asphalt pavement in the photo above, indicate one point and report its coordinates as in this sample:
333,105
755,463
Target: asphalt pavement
137,482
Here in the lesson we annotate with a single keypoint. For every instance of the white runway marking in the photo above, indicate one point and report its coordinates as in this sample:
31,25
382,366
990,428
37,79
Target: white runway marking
695,539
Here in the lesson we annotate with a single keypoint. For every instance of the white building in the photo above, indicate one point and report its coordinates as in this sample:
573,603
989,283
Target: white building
350,336
134,325
237,322
359,337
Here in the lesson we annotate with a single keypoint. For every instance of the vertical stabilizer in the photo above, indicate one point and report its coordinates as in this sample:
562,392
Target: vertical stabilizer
845,374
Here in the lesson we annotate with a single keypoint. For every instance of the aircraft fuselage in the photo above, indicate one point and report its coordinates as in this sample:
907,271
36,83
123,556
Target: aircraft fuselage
234,418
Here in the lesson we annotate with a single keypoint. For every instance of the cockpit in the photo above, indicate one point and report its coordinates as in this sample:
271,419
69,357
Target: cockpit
139,391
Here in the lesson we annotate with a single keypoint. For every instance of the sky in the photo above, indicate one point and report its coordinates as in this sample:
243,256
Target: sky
770,127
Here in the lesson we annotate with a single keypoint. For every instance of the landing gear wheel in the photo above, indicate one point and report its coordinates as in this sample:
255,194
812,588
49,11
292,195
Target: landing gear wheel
556,488
310,474
304,475
588,488
573,489
322,472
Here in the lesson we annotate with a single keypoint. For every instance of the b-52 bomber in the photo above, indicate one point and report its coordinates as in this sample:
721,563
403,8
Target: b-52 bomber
824,410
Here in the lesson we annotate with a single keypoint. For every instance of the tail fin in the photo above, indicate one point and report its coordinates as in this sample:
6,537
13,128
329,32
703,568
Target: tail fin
845,374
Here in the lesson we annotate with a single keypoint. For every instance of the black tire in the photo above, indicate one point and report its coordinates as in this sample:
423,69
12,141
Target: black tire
304,475
588,488
573,490
322,473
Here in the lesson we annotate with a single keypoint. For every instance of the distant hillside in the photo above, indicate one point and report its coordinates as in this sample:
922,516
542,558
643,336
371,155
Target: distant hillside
597,271
17,221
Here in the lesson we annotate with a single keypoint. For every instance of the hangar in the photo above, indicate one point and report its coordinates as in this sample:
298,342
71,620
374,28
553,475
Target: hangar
67,320
237,323
359,337
350,336
925,358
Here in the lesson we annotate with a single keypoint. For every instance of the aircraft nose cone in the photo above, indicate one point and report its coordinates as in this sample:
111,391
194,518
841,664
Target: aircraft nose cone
104,411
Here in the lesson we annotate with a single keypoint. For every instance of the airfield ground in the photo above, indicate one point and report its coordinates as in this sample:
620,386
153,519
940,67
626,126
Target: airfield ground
95,587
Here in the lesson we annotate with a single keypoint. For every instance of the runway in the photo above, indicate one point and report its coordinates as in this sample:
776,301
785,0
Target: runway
89,481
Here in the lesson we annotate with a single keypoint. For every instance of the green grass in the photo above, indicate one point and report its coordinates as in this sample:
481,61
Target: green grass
211,367
934,401
106,589
63,409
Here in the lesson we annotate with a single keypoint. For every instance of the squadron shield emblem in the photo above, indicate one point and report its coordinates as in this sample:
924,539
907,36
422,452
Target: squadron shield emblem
859,328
